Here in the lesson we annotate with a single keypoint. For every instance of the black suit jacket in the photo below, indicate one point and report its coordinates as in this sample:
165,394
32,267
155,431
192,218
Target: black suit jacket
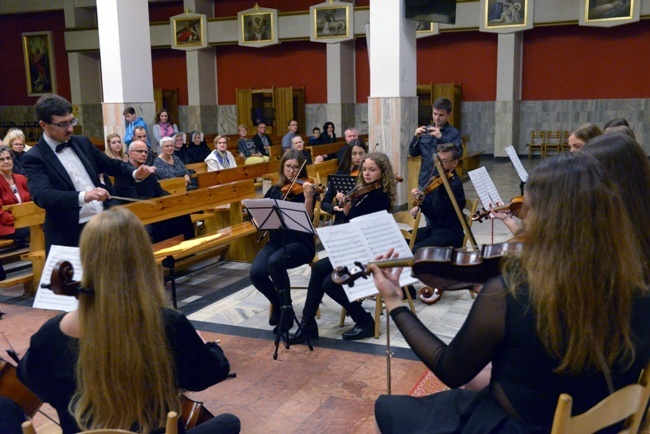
260,145
145,189
51,187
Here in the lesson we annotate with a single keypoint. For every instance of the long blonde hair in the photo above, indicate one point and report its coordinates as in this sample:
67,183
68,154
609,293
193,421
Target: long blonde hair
108,151
125,370
580,262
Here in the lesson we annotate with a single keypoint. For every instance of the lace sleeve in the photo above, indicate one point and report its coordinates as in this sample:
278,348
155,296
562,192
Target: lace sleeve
474,345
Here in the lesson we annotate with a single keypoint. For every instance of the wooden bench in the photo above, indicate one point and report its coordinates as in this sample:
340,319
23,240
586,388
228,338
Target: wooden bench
469,161
238,173
329,148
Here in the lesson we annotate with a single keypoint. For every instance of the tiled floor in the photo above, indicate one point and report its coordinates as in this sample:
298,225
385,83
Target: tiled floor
331,389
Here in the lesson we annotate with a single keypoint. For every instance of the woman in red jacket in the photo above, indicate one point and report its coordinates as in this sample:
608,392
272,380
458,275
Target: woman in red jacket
13,189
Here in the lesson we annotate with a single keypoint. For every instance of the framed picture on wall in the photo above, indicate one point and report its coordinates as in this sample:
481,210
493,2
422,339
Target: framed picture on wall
331,22
188,31
258,27
39,63
426,28
609,13
506,16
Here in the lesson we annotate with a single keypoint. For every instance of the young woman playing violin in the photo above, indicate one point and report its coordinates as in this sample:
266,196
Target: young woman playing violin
443,227
376,186
121,359
350,165
554,322
268,272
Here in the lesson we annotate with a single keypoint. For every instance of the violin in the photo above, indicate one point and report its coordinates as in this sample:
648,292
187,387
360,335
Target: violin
13,388
458,268
359,191
435,182
355,172
516,206
295,187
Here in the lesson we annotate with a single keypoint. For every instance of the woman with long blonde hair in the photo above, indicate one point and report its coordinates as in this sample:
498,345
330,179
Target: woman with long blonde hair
121,359
115,148
568,315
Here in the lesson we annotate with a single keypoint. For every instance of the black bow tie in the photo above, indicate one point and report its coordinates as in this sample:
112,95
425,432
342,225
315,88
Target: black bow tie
62,146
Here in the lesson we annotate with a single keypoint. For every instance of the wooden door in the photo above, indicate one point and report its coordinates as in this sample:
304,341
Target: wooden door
244,105
283,106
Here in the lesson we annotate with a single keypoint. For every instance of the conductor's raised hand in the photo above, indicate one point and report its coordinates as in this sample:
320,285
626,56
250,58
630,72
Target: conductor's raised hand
143,171
387,281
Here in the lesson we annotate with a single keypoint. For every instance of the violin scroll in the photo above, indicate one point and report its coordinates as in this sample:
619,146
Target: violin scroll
61,282
347,276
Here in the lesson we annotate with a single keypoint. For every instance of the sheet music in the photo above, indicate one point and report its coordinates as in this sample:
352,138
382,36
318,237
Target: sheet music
45,298
485,188
362,240
266,218
519,168
261,210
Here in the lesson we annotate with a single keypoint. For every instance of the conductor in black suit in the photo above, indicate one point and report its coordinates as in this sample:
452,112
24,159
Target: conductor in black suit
63,173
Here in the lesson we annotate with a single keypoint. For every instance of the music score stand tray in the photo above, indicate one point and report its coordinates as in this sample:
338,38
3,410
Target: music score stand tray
274,214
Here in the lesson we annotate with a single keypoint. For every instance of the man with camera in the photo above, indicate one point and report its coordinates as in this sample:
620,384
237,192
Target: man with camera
427,138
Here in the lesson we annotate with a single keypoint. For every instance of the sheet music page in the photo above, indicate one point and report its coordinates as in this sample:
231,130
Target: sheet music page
485,188
382,232
295,216
519,168
345,244
45,298
262,212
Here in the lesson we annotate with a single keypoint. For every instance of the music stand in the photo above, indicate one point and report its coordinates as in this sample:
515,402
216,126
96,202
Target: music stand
342,183
274,214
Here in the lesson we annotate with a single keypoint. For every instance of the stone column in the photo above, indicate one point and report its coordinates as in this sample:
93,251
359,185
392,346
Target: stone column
127,76
506,110
341,90
85,73
201,80
392,106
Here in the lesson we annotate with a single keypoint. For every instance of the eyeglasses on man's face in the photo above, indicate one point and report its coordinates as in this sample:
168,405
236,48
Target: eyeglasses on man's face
65,125
140,151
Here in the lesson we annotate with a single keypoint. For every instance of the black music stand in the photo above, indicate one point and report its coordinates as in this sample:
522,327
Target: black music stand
342,183
274,214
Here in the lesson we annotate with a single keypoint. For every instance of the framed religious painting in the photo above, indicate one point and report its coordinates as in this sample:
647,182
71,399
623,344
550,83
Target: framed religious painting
331,22
426,28
39,63
258,27
188,31
609,13
506,16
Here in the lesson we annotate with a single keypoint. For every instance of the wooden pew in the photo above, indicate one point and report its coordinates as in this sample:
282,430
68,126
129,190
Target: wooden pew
237,174
173,185
329,148
243,247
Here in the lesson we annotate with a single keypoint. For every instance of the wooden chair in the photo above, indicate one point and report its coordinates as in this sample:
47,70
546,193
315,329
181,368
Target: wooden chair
170,428
553,141
410,232
471,206
628,403
537,141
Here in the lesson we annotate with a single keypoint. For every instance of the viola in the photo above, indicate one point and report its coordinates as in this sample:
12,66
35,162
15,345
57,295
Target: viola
516,206
295,187
435,182
355,172
193,413
13,388
457,268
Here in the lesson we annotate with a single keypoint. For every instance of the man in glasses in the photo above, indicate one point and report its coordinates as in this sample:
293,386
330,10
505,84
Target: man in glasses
63,173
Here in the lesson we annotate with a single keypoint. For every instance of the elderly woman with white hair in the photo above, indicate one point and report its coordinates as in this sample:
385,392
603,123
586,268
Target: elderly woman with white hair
169,165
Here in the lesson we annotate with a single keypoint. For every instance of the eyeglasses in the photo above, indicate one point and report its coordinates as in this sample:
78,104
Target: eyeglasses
5,158
286,166
66,125
140,151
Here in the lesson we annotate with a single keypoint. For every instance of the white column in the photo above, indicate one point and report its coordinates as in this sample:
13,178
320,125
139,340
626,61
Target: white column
392,106
509,60
341,89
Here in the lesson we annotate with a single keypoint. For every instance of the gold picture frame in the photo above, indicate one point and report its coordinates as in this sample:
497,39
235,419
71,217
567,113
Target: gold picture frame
39,63
426,28
332,22
188,31
609,13
258,27
506,16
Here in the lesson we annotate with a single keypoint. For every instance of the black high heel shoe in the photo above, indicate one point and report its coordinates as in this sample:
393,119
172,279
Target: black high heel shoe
308,329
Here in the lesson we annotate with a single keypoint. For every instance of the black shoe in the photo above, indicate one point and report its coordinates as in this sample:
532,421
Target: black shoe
308,330
361,330
275,315
287,323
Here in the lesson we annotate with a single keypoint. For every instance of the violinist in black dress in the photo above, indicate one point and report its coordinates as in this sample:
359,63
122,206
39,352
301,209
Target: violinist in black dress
268,272
376,188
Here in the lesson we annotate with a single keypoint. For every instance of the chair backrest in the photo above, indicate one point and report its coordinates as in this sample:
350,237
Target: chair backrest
470,206
628,403
405,218
537,136
554,137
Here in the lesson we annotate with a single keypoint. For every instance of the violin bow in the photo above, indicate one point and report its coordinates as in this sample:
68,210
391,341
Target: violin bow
459,213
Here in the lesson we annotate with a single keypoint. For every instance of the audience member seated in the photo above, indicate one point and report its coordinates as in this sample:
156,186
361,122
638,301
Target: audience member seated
542,323
350,134
315,138
197,149
169,165
147,189
122,358
115,148
247,148
621,129
221,157
15,140
163,126
13,189
581,135
292,125
328,135
180,150
262,140
298,144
